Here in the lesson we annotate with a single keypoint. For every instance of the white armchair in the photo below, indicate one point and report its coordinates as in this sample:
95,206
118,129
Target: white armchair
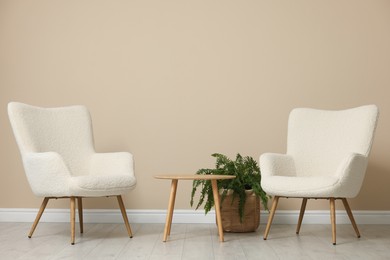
59,159
327,156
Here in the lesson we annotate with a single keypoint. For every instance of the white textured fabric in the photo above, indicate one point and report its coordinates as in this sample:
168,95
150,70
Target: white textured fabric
58,154
327,154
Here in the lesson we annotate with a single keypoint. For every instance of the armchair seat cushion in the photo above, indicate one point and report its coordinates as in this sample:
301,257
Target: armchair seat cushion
101,185
307,186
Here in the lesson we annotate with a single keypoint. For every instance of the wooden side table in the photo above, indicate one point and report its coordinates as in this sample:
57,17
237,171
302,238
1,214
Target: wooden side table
171,205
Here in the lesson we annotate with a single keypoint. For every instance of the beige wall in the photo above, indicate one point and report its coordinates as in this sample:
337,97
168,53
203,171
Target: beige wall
174,81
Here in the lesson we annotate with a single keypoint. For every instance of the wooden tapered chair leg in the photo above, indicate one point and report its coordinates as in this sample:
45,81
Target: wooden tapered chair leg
72,219
333,219
80,210
124,215
301,213
271,216
38,217
350,215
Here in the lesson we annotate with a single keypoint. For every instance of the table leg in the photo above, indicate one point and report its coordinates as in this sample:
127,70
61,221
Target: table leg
217,209
171,206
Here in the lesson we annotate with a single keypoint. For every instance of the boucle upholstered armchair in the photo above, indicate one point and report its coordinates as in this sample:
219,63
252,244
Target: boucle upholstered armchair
327,155
57,149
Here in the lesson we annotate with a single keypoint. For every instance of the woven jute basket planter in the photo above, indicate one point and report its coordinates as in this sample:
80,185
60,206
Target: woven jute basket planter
231,218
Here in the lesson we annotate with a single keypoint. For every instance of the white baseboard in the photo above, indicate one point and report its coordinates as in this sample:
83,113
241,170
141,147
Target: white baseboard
189,216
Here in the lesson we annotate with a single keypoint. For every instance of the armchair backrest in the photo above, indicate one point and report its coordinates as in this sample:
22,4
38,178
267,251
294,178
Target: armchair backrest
65,130
319,140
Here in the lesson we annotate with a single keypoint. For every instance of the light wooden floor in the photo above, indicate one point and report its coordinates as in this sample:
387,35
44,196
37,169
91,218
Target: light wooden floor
191,241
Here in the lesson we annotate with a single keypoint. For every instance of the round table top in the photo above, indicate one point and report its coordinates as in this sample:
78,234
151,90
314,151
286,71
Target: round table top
195,177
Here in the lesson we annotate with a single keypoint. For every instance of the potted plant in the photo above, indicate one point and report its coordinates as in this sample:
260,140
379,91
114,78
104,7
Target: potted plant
240,197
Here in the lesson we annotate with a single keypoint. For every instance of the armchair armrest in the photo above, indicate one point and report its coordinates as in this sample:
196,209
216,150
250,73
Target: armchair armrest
273,164
47,174
112,163
351,173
